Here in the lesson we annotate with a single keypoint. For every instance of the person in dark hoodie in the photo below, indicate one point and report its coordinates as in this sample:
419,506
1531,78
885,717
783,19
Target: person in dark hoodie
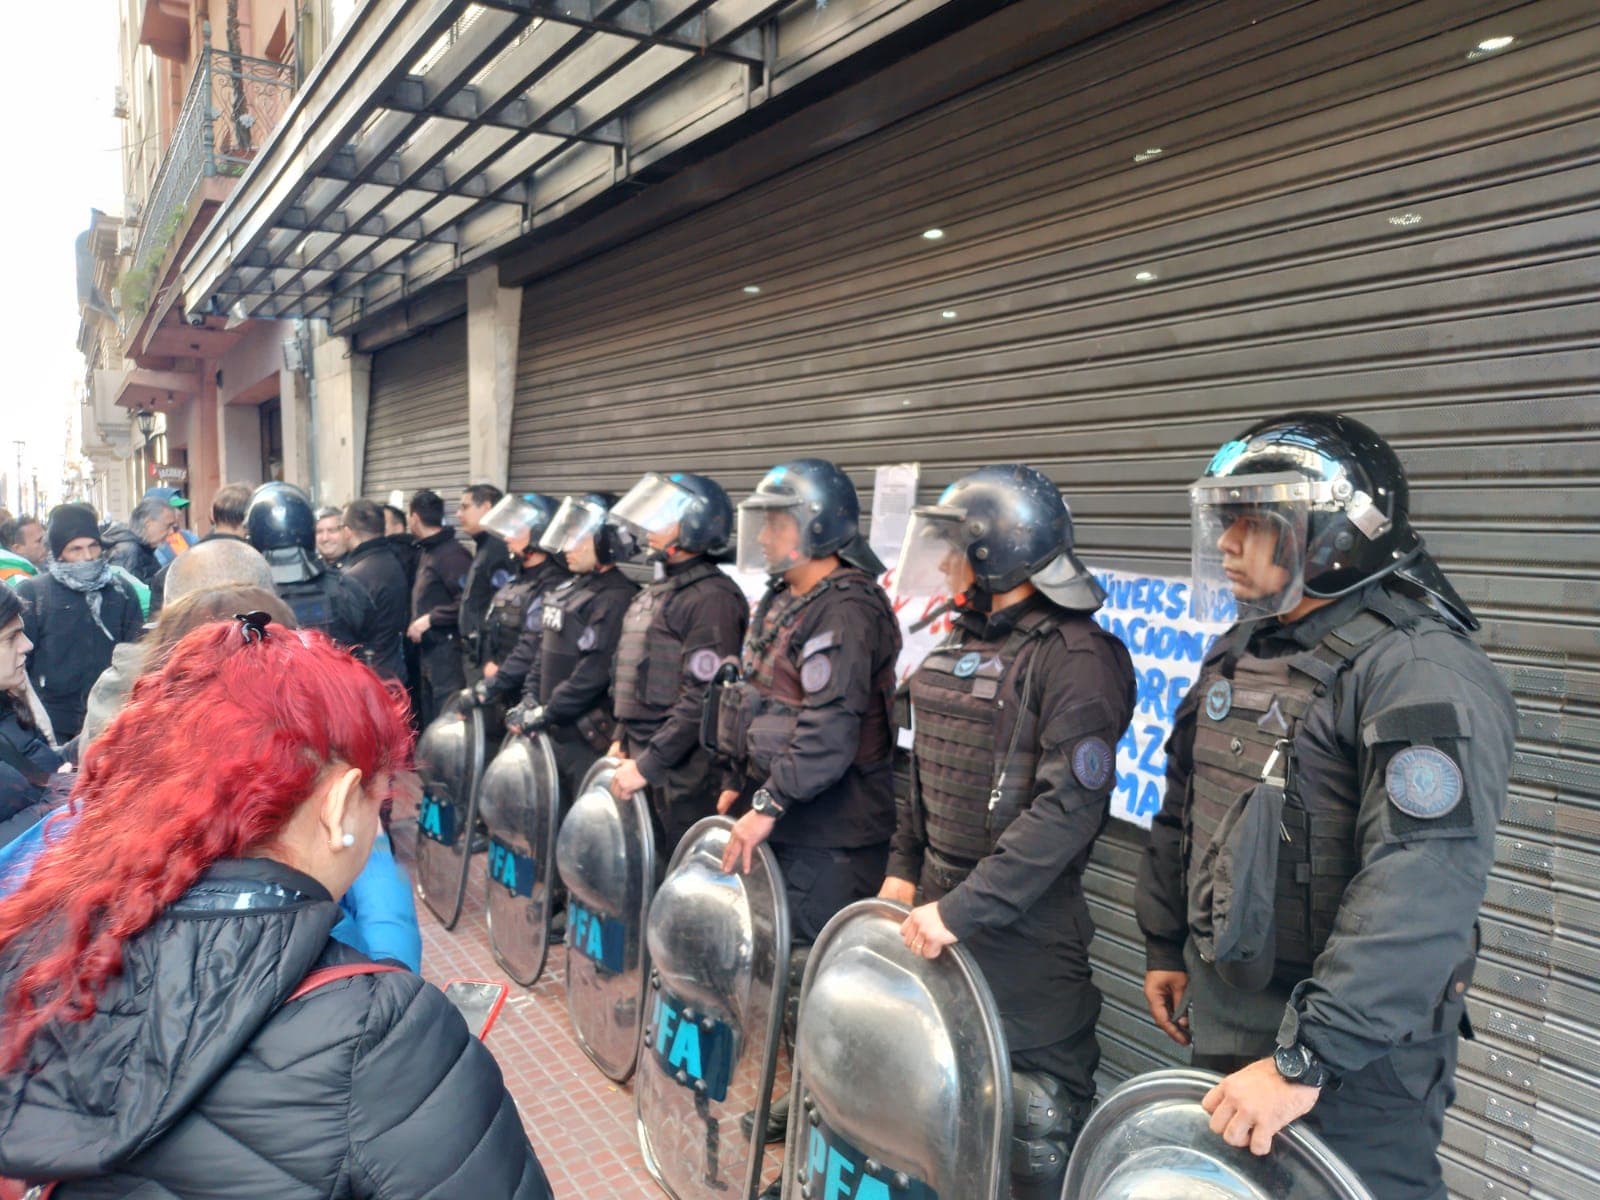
27,763
156,1041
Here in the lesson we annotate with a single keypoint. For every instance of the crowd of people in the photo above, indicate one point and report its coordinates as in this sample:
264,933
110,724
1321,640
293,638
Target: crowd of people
217,784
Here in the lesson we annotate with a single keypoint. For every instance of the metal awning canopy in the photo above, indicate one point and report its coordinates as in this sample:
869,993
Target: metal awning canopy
438,130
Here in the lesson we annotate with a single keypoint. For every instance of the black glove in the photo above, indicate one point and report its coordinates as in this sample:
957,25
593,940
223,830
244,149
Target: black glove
482,693
526,718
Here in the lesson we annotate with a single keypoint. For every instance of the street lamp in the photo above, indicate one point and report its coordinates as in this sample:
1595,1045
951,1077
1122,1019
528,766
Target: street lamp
147,423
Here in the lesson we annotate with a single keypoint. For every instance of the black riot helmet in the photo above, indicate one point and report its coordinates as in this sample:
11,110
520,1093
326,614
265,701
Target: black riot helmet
1011,525
514,515
695,506
583,516
821,501
281,524
1333,497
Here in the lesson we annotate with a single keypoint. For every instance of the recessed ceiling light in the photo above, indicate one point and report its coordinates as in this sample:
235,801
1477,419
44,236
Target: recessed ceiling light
933,235
949,314
1146,276
1147,154
751,289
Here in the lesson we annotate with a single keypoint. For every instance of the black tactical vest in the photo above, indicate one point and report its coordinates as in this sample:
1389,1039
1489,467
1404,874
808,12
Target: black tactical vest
1245,730
969,786
513,608
315,605
649,672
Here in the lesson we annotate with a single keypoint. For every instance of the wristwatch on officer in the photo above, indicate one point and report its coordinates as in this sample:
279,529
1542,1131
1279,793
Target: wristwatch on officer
764,803
1298,1063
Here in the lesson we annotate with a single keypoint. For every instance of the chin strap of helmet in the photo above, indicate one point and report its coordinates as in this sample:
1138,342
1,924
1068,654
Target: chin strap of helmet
976,599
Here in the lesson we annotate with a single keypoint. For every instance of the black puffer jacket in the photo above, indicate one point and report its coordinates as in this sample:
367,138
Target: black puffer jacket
195,1079
125,550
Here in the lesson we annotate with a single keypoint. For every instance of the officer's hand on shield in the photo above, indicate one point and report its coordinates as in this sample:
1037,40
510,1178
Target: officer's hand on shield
924,931
749,831
1164,992
1249,1107
901,891
626,779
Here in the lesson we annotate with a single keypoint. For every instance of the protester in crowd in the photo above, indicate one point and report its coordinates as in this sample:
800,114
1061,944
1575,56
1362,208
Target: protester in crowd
74,615
22,548
331,542
227,523
373,563
223,814
436,603
27,762
178,536
133,546
215,566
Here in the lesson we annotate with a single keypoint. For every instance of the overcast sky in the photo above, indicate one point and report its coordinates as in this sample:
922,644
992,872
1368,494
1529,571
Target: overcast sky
61,151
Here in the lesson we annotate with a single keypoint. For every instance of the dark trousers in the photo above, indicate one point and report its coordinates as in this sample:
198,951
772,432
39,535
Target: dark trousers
687,793
821,880
1387,1119
441,676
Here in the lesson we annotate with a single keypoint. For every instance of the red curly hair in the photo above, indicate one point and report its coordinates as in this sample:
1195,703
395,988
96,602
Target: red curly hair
209,760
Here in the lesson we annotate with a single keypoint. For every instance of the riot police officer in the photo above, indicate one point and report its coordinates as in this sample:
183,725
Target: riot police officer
566,690
1017,714
280,523
809,727
1334,781
677,633
509,633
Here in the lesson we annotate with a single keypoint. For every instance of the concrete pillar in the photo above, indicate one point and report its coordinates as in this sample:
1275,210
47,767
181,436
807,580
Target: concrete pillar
205,458
494,321
240,440
343,381
294,402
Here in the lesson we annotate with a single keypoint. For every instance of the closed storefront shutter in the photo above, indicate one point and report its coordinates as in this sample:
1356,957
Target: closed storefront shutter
417,417
1146,245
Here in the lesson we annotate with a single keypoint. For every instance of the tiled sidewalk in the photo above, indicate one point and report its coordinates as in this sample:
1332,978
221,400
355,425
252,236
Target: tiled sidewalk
581,1124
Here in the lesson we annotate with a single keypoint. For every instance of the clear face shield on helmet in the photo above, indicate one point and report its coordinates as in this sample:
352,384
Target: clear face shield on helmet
933,557
574,521
771,534
654,509
1249,549
510,518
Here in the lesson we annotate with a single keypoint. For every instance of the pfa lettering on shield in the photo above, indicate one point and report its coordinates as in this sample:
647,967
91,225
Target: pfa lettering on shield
695,1048
834,1169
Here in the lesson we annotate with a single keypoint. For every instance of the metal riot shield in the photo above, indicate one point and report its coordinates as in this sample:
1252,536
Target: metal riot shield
521,807
1151,1140
720,948
606,855
902,1079
449,764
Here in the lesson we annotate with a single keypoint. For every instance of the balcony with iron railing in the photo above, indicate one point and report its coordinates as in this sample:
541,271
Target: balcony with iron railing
233,104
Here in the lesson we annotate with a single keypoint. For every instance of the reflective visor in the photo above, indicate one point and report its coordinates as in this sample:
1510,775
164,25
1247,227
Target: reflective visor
770,535
575,520
1249,545
654,505
511,516
933,556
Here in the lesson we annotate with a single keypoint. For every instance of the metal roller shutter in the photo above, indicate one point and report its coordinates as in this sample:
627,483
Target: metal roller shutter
417,415
1352,209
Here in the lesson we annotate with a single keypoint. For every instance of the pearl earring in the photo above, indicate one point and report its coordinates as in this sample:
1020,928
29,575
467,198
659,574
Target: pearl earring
349,840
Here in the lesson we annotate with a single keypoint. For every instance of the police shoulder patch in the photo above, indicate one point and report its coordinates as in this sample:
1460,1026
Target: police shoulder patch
821,641
967,664
816,673
1219,699
1423,782
588,638
703,664
1092,763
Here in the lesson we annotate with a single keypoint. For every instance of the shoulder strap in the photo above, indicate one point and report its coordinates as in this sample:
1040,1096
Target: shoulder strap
1342,645
326,975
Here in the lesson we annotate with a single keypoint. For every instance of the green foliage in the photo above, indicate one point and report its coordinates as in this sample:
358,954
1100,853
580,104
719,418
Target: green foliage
137,283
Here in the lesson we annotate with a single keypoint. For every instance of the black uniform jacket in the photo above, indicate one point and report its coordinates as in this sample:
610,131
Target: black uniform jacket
490,570
69,648
596,603
376,567
1406,920
194,1078
539,580
442,564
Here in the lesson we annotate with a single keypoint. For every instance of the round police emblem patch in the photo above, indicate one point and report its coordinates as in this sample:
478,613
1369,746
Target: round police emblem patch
587,639
1423,782
967,664
703,664
1092,762
1219,699
815,674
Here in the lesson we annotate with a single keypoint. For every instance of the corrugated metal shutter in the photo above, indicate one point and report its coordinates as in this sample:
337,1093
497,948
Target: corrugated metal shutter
1352,208
417,416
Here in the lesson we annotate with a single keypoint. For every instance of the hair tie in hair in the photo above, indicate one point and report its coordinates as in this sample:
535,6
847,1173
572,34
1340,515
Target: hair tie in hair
253,625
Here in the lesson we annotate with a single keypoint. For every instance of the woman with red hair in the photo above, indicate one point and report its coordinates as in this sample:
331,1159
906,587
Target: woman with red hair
153,1043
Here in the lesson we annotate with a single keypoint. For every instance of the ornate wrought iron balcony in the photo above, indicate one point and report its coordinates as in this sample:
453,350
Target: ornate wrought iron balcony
233,104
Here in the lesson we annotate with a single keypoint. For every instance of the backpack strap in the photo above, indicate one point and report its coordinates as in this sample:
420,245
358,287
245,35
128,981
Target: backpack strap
326,975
